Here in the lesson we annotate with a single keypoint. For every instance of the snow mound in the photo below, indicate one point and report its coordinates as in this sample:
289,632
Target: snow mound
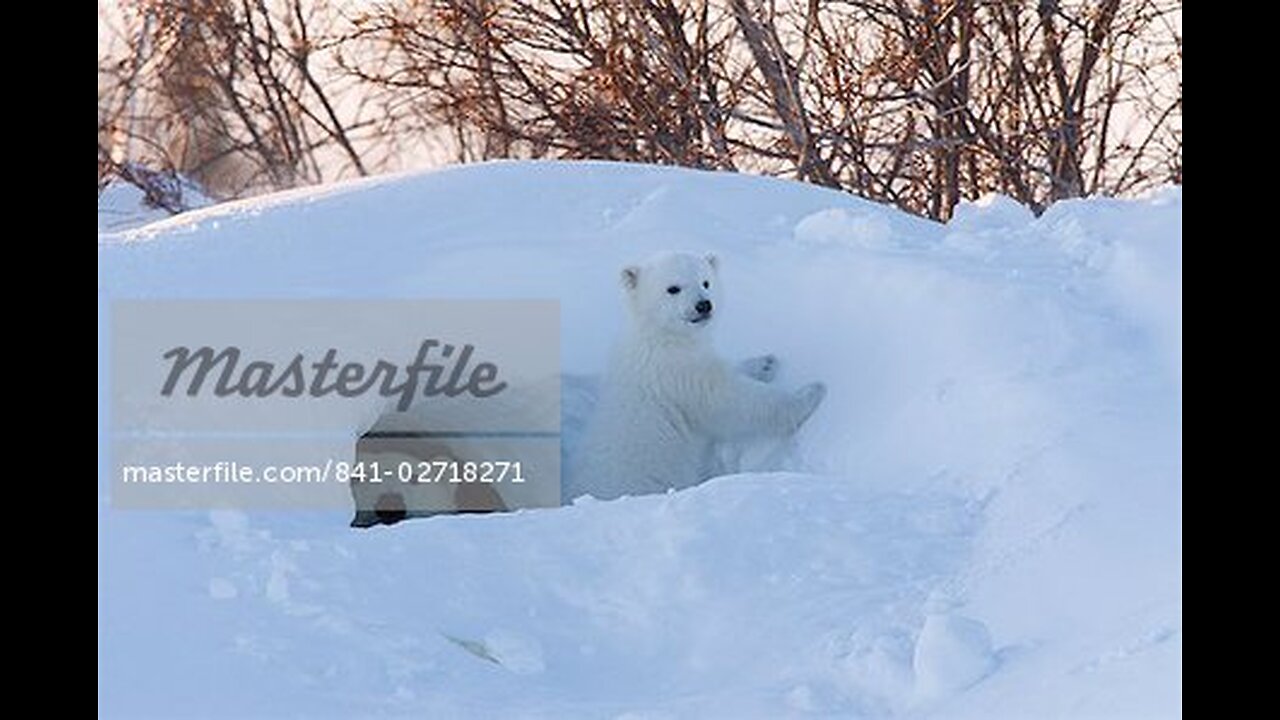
123,205
952,652
983,519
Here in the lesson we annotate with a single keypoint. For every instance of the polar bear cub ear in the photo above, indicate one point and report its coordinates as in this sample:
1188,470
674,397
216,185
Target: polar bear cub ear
713,260
630,277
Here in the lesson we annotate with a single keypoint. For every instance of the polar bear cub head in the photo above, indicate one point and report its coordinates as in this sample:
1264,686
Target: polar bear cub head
672,293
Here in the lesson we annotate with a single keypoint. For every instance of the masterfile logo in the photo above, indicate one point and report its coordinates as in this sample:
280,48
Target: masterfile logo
262,378
253,404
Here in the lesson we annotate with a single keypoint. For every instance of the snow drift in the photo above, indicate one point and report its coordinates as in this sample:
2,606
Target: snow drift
984,519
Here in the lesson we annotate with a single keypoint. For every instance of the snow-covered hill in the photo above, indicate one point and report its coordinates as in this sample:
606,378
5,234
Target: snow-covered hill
985,520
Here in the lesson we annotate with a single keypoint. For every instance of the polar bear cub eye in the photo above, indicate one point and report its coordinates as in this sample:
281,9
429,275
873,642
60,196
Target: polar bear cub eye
674,290
706,284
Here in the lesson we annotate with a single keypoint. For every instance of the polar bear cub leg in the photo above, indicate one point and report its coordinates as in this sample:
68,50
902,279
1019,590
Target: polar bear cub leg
763,368
750,409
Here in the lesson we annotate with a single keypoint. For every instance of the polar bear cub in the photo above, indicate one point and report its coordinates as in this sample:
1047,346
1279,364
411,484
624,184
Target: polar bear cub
668,400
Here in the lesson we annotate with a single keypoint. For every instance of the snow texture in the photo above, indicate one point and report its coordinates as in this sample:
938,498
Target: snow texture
984,520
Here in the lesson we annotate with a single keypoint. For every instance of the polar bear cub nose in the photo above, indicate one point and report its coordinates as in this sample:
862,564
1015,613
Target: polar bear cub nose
703,307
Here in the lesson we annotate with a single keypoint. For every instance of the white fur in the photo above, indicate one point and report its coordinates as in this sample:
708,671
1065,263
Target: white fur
668,400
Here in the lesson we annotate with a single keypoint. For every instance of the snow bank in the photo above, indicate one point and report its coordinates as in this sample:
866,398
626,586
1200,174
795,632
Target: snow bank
123,205
985,520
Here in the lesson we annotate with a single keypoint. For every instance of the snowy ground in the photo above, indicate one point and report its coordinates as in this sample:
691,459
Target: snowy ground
122,206
986,519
